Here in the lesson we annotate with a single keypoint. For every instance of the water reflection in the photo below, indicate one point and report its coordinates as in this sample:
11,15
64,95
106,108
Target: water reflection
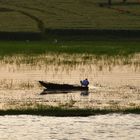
84,93
45,92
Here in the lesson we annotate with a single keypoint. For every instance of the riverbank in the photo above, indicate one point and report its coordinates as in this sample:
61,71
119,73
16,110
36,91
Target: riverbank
102,47
64,111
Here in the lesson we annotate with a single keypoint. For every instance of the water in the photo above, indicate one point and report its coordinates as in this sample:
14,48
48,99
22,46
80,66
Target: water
114,81
109,127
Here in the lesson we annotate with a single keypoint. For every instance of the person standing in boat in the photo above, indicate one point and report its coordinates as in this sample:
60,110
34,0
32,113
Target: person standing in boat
84,83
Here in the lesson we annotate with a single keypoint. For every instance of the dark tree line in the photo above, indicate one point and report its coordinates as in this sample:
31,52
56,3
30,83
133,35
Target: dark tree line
110,1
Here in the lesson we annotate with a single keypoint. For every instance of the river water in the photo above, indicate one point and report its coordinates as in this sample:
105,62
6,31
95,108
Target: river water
114,83
114,80
109,127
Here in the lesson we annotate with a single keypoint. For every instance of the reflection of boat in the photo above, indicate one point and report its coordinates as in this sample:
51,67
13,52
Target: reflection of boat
63,88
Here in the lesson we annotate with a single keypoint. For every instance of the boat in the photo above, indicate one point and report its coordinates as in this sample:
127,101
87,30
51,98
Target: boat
61,88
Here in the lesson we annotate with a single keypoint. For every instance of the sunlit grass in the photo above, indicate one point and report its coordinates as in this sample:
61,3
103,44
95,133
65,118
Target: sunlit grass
66,59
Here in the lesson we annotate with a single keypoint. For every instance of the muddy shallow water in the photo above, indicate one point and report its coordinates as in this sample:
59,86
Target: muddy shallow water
114,81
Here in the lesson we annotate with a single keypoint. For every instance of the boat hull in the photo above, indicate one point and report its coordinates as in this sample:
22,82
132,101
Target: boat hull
61,87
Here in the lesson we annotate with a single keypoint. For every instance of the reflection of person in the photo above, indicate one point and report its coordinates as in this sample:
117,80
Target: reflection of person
84,93
84,83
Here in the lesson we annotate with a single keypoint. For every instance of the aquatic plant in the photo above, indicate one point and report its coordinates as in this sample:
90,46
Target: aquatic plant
40,109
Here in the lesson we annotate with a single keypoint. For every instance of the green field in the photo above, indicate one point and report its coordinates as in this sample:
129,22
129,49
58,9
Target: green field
39,15
99,48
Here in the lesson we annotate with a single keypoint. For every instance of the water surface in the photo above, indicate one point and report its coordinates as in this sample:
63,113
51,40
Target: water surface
114,80
110,127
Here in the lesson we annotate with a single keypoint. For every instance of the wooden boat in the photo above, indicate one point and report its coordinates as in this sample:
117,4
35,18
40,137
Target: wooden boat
62,87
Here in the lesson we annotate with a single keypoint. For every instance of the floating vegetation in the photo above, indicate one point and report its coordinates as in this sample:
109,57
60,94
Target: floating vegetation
64,111
71,60
17,84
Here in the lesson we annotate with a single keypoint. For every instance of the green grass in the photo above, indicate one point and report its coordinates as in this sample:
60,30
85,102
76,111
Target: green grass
67,14
98,48
63,111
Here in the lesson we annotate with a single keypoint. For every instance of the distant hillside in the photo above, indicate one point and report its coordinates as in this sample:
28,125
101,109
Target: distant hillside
39,15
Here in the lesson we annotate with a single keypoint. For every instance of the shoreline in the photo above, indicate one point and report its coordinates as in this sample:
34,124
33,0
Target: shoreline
66,112
73,34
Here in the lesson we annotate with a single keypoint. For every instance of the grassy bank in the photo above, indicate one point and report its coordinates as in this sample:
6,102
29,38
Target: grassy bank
63,112
70,47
